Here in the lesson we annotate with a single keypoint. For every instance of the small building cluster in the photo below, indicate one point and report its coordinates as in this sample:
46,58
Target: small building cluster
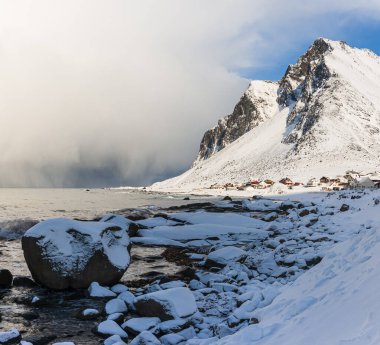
256,184
351,180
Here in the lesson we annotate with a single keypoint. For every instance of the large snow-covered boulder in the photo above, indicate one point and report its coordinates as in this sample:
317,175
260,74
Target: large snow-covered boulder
63,253
167,304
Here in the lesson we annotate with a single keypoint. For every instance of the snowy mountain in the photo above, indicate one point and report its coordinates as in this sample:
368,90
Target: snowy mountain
321,118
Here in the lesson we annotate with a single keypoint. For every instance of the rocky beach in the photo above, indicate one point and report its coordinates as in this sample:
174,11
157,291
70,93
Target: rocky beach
199,273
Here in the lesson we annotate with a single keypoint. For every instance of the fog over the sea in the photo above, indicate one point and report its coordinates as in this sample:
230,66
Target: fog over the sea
112,92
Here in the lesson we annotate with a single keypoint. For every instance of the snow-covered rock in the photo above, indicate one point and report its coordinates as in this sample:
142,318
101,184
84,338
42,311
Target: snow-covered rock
114,340
110,327
172,339
96,290
223,256
145,338
138,325
115,305
117,220
167,304
128,298
63,253
119,288
88,314
10,337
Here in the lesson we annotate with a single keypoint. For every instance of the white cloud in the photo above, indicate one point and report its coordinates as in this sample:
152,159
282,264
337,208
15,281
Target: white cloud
105,91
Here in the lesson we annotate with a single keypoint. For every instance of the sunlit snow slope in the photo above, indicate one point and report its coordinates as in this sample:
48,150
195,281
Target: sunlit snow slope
334,303
321,118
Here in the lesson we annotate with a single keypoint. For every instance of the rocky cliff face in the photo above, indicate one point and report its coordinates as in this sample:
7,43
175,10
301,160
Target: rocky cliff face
263,98
256,105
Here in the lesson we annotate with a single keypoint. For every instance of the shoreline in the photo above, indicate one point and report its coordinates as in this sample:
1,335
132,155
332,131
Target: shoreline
270,243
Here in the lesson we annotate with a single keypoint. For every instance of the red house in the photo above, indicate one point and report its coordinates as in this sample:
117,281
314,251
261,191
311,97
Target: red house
286,181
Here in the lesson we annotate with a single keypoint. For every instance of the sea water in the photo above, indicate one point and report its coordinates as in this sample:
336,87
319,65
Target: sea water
43,203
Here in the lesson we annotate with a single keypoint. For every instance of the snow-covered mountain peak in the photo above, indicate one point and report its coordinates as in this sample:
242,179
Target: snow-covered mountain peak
321,118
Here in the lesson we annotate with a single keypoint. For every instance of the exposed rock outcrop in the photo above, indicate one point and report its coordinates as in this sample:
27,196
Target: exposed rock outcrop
256,105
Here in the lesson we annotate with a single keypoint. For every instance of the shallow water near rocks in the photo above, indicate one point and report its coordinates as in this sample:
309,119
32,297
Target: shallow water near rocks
58,317
55,320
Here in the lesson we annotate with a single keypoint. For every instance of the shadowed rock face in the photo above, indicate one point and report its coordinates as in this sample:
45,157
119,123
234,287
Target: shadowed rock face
253,108
299,77
297,89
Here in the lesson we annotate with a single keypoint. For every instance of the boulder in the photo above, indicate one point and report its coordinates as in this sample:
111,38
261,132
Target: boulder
110,327
167,304
6,278
88,314
21,281
63,253
137,325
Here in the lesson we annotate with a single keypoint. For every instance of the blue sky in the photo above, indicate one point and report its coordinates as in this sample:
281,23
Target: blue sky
364,33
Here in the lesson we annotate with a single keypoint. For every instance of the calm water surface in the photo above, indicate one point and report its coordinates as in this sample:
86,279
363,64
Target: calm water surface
19,203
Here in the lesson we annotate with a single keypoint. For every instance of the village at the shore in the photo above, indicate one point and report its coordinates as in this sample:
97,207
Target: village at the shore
350,180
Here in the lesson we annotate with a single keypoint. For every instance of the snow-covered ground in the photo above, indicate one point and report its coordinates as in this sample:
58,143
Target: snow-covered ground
304,270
